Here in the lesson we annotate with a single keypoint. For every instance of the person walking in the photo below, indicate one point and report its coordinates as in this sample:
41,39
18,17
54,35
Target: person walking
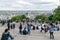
51,30
8,24
20,28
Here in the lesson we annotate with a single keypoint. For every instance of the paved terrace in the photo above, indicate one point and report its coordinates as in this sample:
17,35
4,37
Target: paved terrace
35,34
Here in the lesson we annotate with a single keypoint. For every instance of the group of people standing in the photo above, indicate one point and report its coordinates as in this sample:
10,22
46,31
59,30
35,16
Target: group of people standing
51,28
26,30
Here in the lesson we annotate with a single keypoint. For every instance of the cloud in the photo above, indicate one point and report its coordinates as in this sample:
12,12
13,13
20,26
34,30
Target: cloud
28,4
24,3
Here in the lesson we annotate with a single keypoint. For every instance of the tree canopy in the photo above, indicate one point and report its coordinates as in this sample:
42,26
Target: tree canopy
42,17
55,16
19,17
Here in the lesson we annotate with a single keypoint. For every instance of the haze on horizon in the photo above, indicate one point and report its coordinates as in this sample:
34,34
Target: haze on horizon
29,4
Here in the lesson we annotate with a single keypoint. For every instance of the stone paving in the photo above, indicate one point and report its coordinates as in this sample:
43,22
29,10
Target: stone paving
35,34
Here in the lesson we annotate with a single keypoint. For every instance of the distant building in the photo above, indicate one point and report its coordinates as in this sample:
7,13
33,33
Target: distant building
32,13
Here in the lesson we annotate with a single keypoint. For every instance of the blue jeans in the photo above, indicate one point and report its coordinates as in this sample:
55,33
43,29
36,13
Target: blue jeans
20,31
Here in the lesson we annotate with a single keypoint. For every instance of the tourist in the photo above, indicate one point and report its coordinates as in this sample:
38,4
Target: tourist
25,32
3,22
56,25
33,27
23,21
8,24
13,25
37,28
45,28
42,27
20,28
6,35
51,30
28,28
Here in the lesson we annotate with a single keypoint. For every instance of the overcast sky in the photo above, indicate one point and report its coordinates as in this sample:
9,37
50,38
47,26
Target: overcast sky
29,4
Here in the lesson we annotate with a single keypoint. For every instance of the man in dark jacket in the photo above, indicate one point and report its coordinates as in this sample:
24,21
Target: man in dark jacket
25,31
20,28
8,24
6,35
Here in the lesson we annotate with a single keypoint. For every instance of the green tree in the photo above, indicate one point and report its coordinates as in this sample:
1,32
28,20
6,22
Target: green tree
42,17
56,15
19,17
50,17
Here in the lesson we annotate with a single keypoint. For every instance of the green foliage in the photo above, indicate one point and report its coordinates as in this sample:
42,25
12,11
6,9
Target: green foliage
14,18
50,17
42,17
19,17
56,15
57,10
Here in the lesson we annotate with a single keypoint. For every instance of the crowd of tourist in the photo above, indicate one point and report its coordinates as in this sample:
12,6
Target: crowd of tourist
43,26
